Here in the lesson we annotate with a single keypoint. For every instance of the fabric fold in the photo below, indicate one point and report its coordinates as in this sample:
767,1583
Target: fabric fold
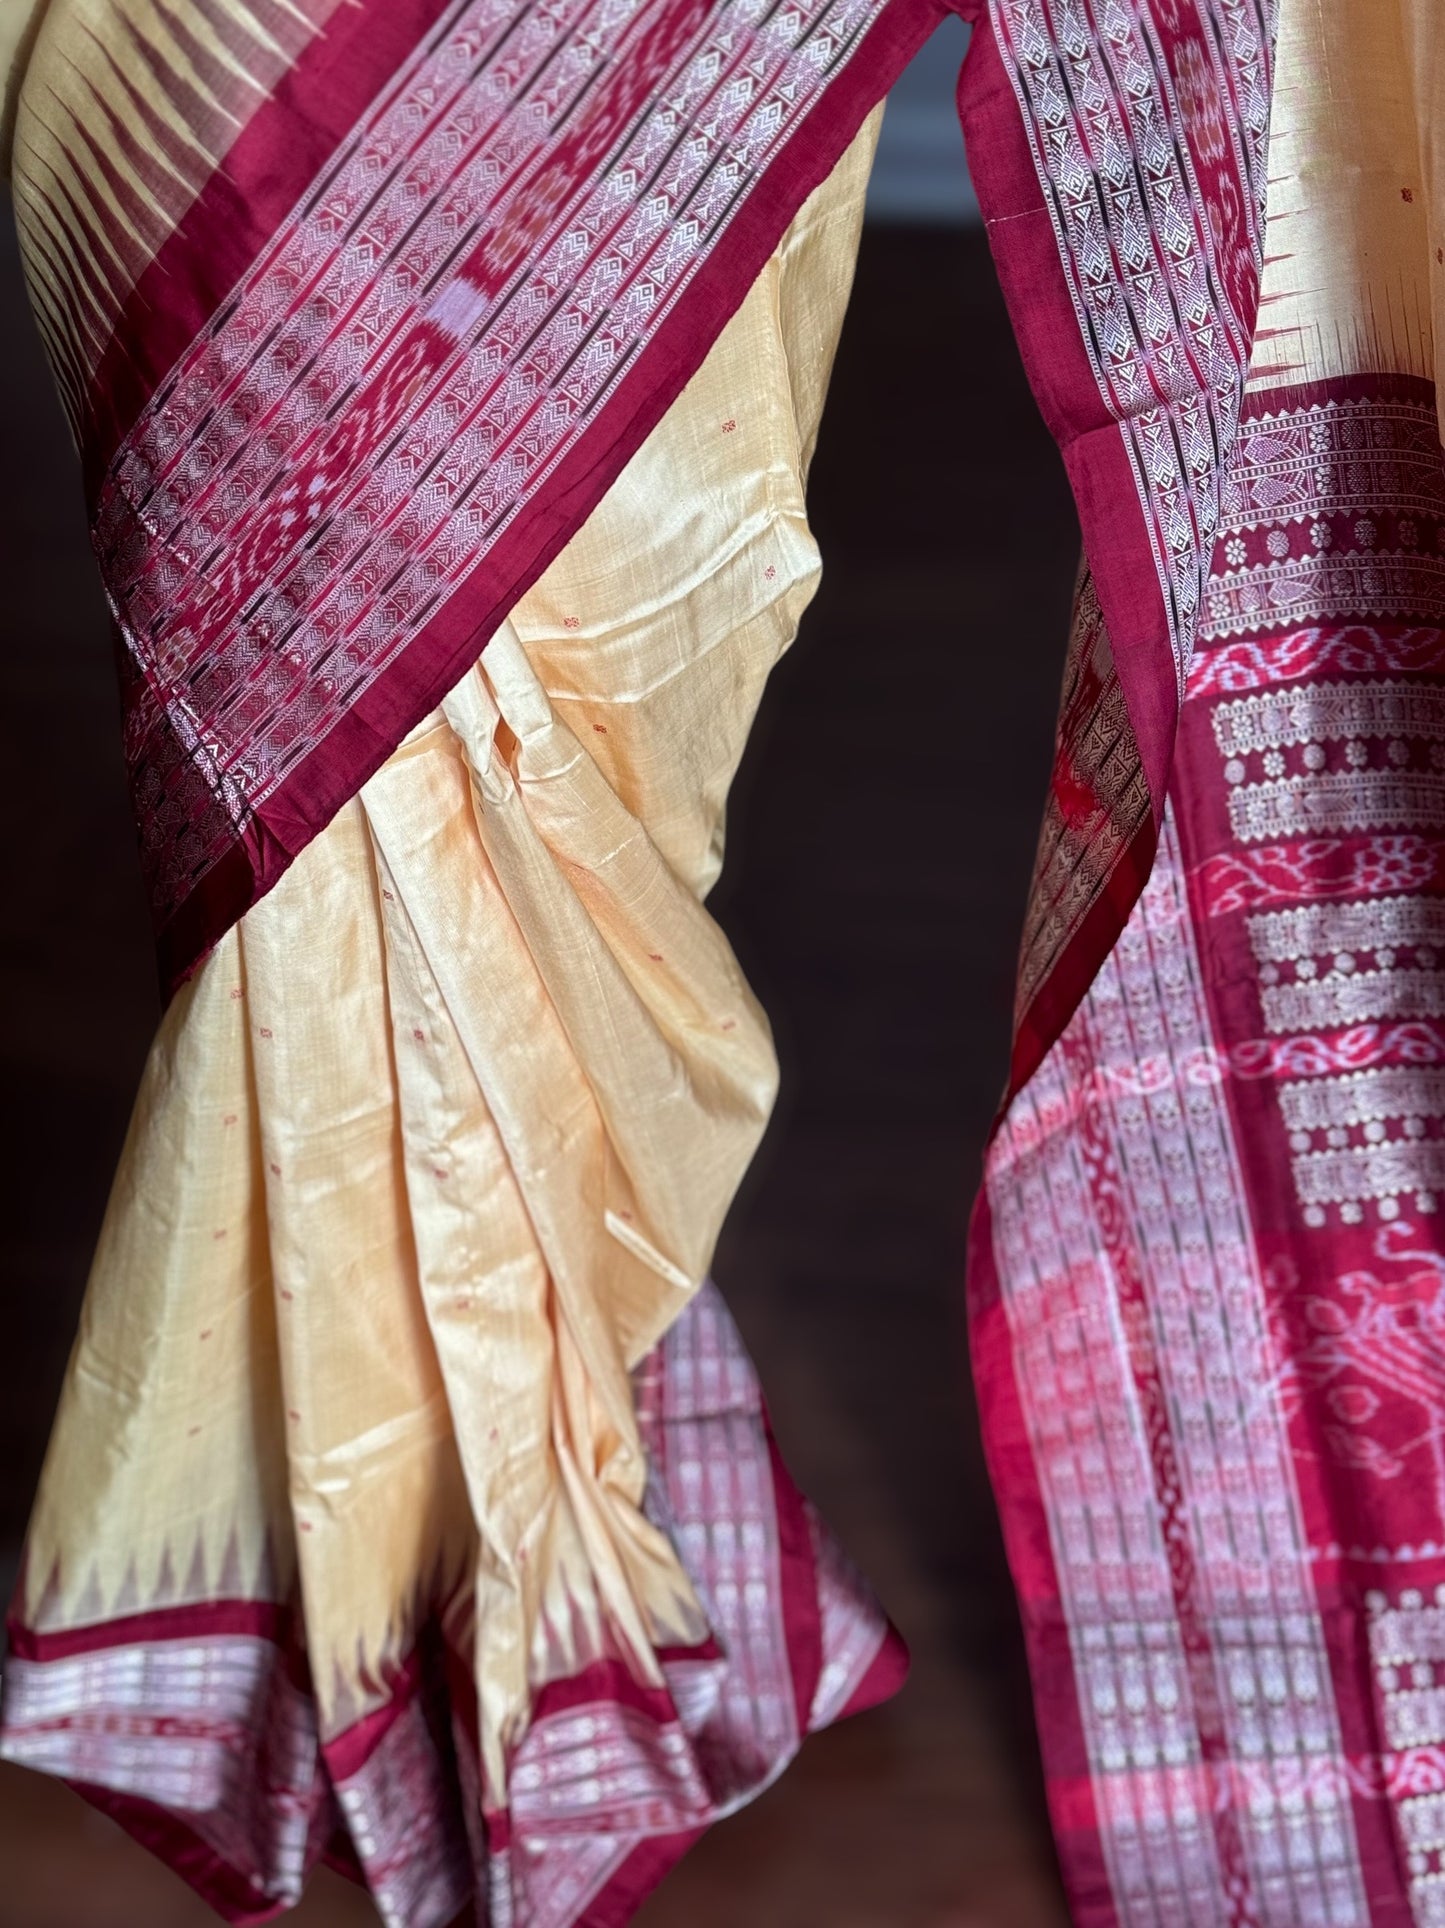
412,1503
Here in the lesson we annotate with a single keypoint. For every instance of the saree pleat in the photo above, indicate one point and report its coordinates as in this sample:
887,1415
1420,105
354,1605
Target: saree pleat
405,1457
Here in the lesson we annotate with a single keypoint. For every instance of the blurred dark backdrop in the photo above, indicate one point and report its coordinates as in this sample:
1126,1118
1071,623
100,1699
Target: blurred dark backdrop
881,836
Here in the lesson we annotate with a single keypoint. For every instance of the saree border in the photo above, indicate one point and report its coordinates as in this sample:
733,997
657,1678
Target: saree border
237,1899
283,149
413,1761
1008,1452
1122,502
360,740
1066,390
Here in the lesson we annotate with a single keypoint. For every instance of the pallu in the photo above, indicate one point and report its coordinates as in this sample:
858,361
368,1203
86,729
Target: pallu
1208,1268
445,376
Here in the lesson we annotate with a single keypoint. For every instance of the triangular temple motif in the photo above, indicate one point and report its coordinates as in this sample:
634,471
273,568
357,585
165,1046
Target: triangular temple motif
163,1594
128,1596
230,1584
90,1608
197,1586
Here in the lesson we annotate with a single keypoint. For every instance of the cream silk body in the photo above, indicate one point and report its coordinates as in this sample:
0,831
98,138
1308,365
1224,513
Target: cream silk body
437,1143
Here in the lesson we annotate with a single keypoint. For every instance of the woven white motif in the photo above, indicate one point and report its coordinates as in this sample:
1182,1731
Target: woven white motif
1364,1097
401,1814
1160,297
209,1729
1331,509
1329,712
1164,1461
1407,1648
348,439
1306,804
1355,997
1372,1171
1281,936
1311,587
1335,509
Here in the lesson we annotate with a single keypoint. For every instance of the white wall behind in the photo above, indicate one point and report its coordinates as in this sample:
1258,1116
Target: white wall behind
920,174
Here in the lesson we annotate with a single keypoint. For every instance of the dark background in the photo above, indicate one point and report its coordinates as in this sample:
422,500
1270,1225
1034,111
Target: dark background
881,836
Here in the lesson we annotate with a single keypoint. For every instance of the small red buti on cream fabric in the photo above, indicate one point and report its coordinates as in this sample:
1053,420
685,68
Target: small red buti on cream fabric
445,375
408,1463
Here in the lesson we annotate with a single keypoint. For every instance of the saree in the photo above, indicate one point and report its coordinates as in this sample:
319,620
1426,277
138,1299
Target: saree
411,1502
444,378
1207,1267
1206,1288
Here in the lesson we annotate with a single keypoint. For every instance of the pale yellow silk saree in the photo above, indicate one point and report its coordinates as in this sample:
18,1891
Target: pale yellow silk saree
445,374
411,1500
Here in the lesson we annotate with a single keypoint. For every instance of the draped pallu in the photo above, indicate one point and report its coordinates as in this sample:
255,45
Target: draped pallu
445,378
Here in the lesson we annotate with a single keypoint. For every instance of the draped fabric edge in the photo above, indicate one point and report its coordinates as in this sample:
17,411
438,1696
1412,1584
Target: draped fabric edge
286,148
1126,603
434,1687
1116,540
423,673
1048,325
164,1833
1008,1453
308,114
378,1801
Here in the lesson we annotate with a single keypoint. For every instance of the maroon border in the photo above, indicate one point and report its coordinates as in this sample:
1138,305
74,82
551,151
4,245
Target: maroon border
1041,308
798,1574
887,1673
354,1747
1013,1475
283,148
1340,1581
614,1682
163,1834
1117,544
235,1898
654,1859
649,1863
1115,532
1067,982
436,659
261,1619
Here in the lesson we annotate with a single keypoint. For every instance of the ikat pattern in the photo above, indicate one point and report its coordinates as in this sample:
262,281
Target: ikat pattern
1315,649
406,364
1140,1318
400,1811
1139,119
614,1765
1362,1098
1333,509
119,144
702,1424
1329,712
1360,1343
1323,799
167,1718
1313,752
